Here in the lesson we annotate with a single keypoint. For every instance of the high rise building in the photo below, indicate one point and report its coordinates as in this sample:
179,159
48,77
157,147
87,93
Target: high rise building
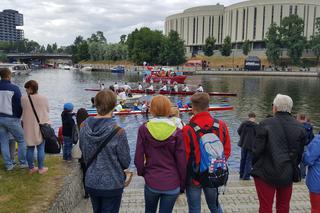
9,20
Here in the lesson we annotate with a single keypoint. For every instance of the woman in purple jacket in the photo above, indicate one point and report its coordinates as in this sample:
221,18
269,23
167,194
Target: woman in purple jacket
160,158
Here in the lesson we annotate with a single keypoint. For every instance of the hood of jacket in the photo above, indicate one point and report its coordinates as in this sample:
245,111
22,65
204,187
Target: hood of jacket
98,129
161,128
249,124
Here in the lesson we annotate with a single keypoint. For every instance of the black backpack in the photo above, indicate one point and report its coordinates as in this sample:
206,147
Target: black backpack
75,134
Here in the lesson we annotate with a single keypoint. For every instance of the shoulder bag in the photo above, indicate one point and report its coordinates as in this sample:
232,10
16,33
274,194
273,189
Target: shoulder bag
52,144
295,168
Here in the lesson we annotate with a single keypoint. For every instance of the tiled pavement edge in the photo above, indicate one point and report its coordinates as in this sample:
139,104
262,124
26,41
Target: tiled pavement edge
240,196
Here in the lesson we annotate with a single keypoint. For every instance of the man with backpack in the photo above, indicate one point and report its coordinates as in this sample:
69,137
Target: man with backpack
207,145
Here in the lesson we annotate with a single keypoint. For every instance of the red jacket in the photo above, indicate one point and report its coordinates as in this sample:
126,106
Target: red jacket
205,120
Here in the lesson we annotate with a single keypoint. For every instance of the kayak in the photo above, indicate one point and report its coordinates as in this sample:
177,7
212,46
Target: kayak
130,99
179,79
149,92
215,107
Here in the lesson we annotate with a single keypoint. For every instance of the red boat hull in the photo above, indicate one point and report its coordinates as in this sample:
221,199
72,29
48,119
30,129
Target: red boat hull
182,93
179,79
219,107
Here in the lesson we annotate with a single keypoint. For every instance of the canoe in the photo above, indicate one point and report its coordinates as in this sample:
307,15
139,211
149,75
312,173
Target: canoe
172,93
182,93
215,107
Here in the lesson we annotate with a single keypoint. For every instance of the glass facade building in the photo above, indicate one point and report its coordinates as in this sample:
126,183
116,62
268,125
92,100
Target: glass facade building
9,20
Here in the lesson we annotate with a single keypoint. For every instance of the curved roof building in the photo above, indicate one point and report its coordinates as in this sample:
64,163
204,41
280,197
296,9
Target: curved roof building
248,20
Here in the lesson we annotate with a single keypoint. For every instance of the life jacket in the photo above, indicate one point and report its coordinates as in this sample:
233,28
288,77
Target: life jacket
213,170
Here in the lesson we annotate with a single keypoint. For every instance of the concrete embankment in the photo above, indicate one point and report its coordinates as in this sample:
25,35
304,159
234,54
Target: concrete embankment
259,73
240,196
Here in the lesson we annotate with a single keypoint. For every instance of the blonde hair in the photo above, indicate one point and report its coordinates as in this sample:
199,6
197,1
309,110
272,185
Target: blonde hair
175,112
200,101
160,106
105,101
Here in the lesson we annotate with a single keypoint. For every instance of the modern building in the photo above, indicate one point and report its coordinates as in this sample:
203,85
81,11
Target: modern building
248,20
9,20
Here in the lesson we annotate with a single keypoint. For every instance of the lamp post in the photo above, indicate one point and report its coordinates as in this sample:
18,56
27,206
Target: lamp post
233,59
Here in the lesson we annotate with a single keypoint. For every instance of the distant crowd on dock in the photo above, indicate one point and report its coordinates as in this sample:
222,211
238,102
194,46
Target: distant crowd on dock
173,157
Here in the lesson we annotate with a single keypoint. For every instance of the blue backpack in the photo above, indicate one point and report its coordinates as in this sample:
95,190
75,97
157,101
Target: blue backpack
213,170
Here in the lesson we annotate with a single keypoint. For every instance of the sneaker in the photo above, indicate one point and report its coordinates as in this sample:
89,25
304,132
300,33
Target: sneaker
33,170
43,170
23,166
10,168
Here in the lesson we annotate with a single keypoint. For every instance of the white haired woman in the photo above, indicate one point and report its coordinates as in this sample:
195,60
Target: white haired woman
277,153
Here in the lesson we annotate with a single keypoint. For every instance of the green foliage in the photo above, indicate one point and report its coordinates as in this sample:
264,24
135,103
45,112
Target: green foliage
226,47
123,39
97,37
80,49
172,50
291,30
145,45
96,50
209,46
315,41
246,47
49,49
116,52
3,57
22,46
273,44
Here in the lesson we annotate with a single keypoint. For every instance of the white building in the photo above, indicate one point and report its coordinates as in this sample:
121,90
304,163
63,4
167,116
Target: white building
247,20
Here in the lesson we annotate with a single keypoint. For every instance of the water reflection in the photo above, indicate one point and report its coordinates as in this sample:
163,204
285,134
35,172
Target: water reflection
254,94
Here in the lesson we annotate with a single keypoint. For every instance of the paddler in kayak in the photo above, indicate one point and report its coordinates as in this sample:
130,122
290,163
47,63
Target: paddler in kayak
122,94
185,88
163,88
200,88
126,87
140,86
116,86
150,88
175,87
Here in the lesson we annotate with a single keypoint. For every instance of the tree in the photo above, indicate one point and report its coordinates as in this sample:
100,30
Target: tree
3,57
54,48
291,30
209,46
96,51
315,42
116,52
123,39
49,49
273,44
226,47
80,49
97,37
246,47
145,45
172,50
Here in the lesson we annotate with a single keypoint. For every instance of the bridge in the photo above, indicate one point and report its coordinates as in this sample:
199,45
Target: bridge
40,58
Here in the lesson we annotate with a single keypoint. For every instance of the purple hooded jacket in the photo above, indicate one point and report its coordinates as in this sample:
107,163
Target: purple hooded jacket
160,156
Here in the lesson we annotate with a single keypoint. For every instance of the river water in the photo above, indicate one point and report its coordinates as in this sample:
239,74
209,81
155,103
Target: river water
254,94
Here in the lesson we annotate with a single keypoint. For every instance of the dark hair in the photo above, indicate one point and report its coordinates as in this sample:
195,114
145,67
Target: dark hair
105,101
92,101
200,101
251,115
5,73
82,115
33,85
111,87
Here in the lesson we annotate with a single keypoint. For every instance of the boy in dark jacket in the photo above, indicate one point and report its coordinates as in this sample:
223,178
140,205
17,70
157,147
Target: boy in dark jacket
247,133
67,126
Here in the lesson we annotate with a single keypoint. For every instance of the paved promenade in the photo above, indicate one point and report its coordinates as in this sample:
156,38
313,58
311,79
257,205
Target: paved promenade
240,196
259,73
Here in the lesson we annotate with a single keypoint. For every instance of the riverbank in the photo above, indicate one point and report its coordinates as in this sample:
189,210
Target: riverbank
259,73
240,196
21,192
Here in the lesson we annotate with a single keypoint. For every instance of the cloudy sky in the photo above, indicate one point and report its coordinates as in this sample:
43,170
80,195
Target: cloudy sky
62,20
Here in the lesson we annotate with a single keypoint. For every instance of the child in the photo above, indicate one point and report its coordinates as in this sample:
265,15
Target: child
67,126
180,103
175,117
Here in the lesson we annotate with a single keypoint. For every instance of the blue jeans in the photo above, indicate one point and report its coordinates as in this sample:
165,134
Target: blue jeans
40,155
194,199
245,164
67,147
151,198
12,126
105,204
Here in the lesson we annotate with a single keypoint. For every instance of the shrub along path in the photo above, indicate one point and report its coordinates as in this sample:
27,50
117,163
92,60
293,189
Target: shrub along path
240,196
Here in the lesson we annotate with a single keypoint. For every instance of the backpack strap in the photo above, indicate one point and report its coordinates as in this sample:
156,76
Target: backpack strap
197,129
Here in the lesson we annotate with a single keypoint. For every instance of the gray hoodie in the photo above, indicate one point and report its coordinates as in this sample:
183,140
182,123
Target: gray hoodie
106,171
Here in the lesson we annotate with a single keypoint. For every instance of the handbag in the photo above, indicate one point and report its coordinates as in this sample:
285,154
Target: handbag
295,168
52,144
76,152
